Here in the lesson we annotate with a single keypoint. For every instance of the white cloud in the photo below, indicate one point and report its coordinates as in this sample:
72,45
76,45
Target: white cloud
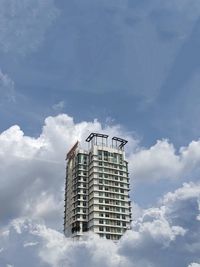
155,240
156,162
32,170
32,175
194,265
162,161
24,23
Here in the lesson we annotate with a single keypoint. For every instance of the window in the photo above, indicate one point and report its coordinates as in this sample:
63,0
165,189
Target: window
100,200
100,214
100,221
100,187
79,158
101,207
105,153
123,224
108,236
101,229
107,229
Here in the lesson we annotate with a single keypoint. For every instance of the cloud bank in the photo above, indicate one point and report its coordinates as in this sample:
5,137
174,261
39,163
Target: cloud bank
32,169
32,172
162,161
161,236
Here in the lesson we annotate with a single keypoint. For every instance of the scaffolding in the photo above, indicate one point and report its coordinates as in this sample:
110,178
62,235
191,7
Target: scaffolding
94,138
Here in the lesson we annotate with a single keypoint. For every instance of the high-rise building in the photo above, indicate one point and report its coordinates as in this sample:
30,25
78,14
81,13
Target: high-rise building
97,189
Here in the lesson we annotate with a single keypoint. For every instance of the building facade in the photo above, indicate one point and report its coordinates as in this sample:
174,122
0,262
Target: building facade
97,189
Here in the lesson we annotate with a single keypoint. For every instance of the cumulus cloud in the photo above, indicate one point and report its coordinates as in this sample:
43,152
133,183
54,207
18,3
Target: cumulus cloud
162,161
32,170
194,265
24,23
156,239
32,175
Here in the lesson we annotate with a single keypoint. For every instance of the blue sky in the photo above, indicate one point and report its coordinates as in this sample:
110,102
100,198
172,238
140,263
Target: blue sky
128,67
136,55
